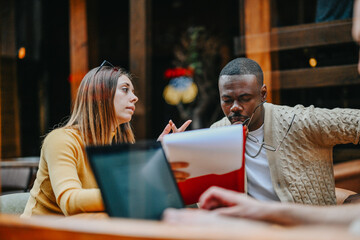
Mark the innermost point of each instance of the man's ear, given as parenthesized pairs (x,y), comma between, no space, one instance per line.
(263,92)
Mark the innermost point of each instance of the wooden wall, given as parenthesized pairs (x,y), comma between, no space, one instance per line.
(140,63)
(9,116)
(79,57)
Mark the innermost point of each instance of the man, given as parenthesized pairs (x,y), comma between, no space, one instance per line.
(240,205)
(288,156)
(288,149)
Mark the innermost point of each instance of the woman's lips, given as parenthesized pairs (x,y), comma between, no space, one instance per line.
(131,108)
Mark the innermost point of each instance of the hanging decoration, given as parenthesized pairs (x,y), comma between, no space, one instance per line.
(181,87)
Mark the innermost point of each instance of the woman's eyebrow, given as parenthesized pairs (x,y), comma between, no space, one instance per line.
(125,83)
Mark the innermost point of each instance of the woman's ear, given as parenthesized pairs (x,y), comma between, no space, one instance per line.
(263,92)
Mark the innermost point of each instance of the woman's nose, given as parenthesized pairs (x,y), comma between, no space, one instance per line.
(134,98)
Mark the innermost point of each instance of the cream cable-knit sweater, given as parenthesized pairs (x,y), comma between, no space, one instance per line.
(302,169)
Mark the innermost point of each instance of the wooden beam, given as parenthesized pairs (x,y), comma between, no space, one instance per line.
(1,34)
(9,115)
(316,77)
(79,59)
(240,41)
(140,63)
(258,21)
(299,36)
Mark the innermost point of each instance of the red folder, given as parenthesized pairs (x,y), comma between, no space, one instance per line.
(192,188)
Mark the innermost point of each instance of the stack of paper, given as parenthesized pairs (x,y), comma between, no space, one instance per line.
(215,158)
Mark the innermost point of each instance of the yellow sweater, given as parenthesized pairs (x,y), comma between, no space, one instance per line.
(65,184)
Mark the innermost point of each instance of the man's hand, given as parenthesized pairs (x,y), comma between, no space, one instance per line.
(356,26)
(172,127)
(180,176)
(246,129)
(356,22)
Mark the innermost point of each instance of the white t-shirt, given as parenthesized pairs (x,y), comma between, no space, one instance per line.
(259,183)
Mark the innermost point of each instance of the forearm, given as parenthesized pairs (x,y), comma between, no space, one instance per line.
(294,214)
(335,126)
(356,21)
(81,201)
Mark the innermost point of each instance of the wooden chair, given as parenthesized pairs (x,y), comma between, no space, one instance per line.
(347,175)
(18,174)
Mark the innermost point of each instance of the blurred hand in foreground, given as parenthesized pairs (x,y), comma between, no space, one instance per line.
(216,204)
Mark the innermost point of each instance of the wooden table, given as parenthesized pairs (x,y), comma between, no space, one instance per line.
(41,228)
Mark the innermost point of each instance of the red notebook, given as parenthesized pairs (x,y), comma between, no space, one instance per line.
(216,157)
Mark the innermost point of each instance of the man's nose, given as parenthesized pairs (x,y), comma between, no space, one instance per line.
(236,107)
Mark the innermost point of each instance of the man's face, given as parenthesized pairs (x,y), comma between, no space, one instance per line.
(239,96)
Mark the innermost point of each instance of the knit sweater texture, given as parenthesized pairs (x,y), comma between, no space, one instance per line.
(302,169)
(65,184)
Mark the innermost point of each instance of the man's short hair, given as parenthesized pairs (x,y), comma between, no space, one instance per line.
(243,66)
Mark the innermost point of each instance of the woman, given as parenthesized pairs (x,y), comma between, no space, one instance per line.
(104,106)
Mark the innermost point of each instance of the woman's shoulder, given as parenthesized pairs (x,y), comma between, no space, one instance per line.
(63,135)
(62,143)
(63,132)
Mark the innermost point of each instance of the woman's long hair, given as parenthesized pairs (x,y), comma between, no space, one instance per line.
(94,114)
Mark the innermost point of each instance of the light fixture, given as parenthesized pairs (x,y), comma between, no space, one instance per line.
(22,53)
(312,62)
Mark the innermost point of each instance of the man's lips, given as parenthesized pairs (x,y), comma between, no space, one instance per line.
(237,120)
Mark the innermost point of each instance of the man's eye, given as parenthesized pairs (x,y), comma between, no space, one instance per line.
(227,100)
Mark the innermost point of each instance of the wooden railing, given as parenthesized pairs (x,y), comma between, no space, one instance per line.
(297,37)
(316,77)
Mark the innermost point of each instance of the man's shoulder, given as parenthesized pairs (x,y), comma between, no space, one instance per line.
(281,109)
(221,123)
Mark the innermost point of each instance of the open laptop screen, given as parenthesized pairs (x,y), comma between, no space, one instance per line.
(135,180)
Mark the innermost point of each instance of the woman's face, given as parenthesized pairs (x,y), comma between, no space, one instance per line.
(124,100)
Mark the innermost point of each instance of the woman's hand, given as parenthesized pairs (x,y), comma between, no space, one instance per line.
(172,127)
(179,176)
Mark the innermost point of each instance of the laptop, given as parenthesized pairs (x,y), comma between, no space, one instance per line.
(135,180)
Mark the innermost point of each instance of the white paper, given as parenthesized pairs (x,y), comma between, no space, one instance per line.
(208,151)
